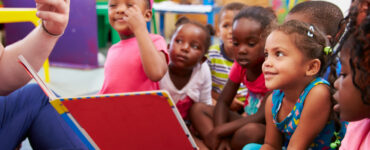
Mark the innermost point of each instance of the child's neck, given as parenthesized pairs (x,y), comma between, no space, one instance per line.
(229,53)
(179,76)
(293,92)
(125,37)
(253,73)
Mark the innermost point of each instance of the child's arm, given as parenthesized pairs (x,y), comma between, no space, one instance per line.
(273,138)
(223,103)
(314,117)
(229,128)
(35,47)
(154,61)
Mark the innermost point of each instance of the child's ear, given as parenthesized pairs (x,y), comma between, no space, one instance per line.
(148,15)
(313,67)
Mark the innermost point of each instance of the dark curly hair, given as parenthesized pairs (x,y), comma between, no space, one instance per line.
(359,44)
(208,29)
(356,35)
(265,16)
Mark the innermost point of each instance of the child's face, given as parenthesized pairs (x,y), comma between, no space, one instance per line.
(116,11)
(225,28)
(350,105)
(187,46)
(248,43)
(284,63)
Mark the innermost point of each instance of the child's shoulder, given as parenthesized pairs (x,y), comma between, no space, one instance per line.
(319,95)
(156,37)
(214,49)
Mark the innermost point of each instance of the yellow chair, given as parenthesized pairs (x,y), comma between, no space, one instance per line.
(13,15)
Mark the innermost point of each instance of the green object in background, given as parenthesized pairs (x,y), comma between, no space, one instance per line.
(157,1)
(103,23)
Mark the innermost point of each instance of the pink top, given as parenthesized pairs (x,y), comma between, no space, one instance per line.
(357,136)
(237,75)
(256,89)
(123,69)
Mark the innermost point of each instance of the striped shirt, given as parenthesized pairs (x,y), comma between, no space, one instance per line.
(220,66)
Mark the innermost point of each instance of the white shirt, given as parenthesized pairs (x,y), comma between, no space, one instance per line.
(198,88)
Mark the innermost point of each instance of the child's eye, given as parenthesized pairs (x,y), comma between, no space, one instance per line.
(130,5)
(266,54)
(279,54)
(178,41)
(251,44)
(225,26)
(112,5)
(235,43)
(195,46)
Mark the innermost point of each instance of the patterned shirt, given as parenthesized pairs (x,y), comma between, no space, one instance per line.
(290,123)
(220,66)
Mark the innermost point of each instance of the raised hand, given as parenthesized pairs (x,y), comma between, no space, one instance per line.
(135,19)
(54,15)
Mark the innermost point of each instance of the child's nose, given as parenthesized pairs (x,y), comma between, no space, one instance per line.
(185,47)
(121,9)
(267,62)
(242,50)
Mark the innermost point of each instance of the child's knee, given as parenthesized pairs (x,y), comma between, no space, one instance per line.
(251,133)
(197,108)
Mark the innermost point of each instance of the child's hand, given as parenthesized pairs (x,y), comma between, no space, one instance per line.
(224,145)
(236,105)
(54,14)
(135,19)
(211,140)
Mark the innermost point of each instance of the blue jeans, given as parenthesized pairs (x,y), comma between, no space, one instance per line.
(27,113)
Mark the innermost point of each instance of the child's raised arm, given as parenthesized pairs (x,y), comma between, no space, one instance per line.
(315,116)
(154,61)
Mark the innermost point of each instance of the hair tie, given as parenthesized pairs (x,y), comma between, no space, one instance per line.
(311,28)
(336,143)
(328,50)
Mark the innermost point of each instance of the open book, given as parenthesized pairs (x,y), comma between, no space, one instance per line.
(138,120)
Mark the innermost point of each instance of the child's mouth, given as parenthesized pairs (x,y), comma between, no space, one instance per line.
(243,62)
(181,58)
(268,75)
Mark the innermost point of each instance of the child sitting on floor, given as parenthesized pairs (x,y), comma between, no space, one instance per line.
(138,61)
(296,54)
(188,79)
(221,56)
(218,126)
(353,84)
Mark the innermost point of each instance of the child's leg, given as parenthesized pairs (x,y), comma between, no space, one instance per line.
(27,112)
(201,117)
(200,144)
(249,133)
